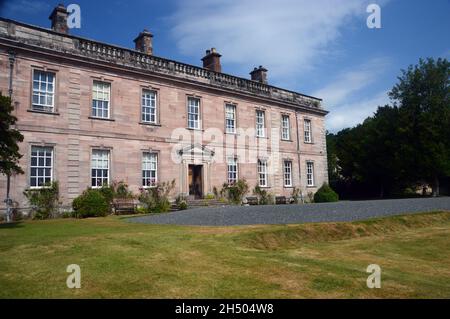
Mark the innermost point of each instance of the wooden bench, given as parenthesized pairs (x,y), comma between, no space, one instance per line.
(125,205)
(252,200)
(280,200)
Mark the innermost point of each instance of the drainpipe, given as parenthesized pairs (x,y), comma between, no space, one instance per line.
(298,155)
(8,201)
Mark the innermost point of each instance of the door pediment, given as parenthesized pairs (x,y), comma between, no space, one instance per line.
(197,152)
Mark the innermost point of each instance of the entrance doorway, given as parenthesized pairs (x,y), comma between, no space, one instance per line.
(195,180)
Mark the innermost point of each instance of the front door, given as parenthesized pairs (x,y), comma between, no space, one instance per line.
(195,181)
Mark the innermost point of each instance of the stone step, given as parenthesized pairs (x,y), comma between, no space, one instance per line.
(192,203)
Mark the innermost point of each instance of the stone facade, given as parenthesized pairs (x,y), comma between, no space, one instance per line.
(73,133)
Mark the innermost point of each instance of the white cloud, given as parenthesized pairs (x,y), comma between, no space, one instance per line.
(351,81)
(342,97)
(351,114)
(286,36)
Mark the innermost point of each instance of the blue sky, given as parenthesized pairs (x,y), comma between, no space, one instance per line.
(320,47)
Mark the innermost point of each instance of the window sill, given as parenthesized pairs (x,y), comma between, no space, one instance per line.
(231,133)
(43,112)
(311,143)
(101,119)
(195,129)
(311,186)
(283,140)
(264,186)
(263,137)
(36,188)
(150,124)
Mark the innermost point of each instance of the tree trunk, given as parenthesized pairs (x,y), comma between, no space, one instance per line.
(436,186)
(381,191)
(8,200)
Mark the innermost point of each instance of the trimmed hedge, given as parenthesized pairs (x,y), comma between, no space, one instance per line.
(92,203)
(325,194)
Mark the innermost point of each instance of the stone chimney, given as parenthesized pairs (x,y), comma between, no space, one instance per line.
(259,74)
(144,42)
(59,19)
(211,60)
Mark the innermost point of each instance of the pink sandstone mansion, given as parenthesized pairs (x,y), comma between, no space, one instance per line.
(92,113)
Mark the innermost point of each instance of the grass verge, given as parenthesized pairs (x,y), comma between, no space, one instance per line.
(326,260)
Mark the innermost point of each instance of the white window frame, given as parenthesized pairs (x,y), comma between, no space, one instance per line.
(101,99)
(149,106)
(149,159)
(230,118)
(194,113)
(307,127)
(98,155)
(262,173)
(40,168)
(232,170)
(287,173)
(310,174)
(260,123)
(285,127)
(43,91)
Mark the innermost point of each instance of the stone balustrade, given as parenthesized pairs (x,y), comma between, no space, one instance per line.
(69,44)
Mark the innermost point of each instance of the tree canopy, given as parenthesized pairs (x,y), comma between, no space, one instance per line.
(402,144)
(10,137)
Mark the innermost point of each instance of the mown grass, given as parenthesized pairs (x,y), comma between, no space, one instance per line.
(326,260)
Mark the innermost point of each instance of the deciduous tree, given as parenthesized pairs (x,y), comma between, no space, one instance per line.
(9,139)
(423,97)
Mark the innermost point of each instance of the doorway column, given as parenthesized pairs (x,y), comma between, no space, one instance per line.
(205,179)
(208,168)
(184,188)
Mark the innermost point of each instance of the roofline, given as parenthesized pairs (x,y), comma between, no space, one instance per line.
(132,50)
(166,77)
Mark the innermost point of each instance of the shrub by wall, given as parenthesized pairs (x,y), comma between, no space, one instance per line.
(156,199)
(325,194)
(235,192)
(92,203)
(264,197)
(44,201)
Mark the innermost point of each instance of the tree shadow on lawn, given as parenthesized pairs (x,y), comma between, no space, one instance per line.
(11,225)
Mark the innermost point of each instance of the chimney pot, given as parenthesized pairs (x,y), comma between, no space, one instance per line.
(144,42)
(211,60)
(59,19)
(259,74)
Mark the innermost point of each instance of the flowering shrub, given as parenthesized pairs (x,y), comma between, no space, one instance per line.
(235,192)
(44,201)
(264,197)
(156,199)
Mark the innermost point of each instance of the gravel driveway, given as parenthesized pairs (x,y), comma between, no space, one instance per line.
(295,214)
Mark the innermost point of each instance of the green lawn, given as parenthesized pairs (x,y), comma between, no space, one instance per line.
(123,260)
